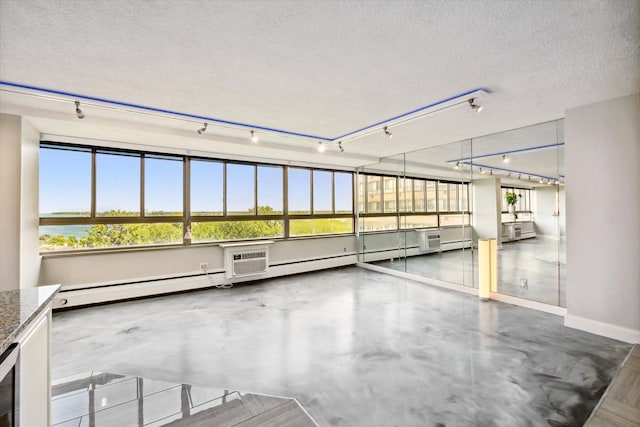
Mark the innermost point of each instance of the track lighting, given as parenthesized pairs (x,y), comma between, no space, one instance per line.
(203,129)
(321,147)
(541,181)
(482,171)
(474,106)
(457,166)
(519,175)
(505,159)
(79,113)
(509,176)
(386,132)
(491,172)
(340,146)
(254,137)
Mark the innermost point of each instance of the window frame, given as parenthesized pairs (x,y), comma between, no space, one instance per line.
(187,217)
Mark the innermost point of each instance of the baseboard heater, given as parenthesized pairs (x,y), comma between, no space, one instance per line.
(91,295)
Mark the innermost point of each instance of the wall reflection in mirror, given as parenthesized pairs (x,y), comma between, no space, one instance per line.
(423,212)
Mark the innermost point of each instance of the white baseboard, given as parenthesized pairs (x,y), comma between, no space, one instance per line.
(615,332)
(93,294)
(416,278)
(535,305)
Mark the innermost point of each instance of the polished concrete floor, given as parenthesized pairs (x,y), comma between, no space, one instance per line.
(540,262)
(355,348)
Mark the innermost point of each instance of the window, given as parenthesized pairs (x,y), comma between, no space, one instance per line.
(207,188)
(322,192)
(65,171)
(94,197)
(343,192)
(117,184)
(240,189)
(421,202)
(163,186)
(390,196)
(332,202)
(522,206)
(299,191)
(270,190)
(432,205)
(374,195)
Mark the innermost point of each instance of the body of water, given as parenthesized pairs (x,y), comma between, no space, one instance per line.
(78,231)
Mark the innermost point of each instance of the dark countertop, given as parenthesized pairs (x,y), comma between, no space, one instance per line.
(18,308)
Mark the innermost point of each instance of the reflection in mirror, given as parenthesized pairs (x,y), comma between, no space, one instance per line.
(423,212)
(527,164)
(427,229)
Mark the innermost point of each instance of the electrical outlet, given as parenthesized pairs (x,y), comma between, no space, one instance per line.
(203,266)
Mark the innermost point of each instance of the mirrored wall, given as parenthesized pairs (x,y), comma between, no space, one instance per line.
(423,212)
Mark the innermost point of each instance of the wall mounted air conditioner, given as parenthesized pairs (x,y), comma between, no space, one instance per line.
(429,240)
(245,259)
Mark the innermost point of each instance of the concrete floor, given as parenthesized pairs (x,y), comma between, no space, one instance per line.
(355,348)
(540,261)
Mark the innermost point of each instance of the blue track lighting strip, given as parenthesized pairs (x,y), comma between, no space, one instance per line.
(160,110)
(513,171)
(409,113)
(247,126)
(504,153)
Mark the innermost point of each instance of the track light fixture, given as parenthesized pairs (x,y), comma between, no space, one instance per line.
(519,175)
(202,129)
(386,132)
(505,158)
(474,106)
(491,172)
(457,166)
(340,146)
(254,137)
(79,113)
(482,171)
(321,147)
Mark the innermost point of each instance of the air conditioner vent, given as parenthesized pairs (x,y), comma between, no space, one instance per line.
(245,259)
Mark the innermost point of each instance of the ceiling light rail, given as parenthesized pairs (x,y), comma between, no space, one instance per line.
(451,102)
(112,105)
(509,173)
(469,97)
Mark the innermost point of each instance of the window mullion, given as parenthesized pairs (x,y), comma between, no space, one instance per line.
(142,212)
(92,214)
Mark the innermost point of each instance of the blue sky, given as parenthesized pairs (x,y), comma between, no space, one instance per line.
(65,185)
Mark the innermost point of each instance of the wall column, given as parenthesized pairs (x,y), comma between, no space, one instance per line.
(602,166)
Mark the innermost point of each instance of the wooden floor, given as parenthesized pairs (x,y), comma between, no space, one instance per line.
(620,405)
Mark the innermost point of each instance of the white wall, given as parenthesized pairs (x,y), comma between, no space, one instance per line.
(10,129)
(19,152)
(125,266)
(29,206)
(487,207)
(602,158)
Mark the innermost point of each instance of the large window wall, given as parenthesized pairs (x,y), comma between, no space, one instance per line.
(93,197)
(422,202)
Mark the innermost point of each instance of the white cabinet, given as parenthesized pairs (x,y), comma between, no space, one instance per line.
(35,390)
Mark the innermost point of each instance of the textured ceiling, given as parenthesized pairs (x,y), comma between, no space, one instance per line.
(319,67)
